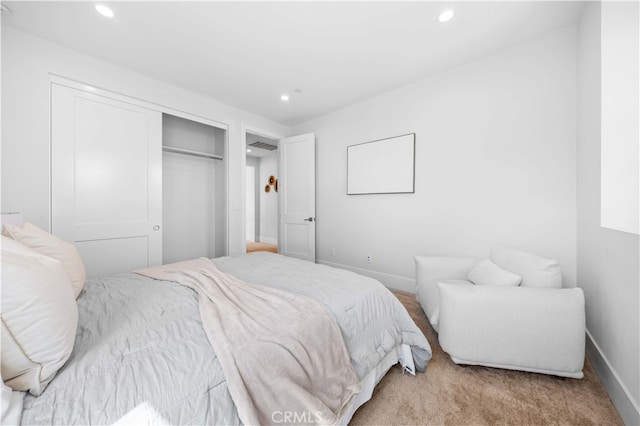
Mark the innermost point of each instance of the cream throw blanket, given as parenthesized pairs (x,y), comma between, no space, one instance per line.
(282,354)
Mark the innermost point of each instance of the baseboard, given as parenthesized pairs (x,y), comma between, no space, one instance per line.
(618,392)
(395,282)
(268,240)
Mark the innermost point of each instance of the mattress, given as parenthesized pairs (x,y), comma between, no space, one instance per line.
(141,340)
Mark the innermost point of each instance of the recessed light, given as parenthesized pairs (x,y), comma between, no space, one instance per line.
(446,15)
(104,11)
(285,98)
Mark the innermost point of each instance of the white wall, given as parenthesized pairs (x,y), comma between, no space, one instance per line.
(26,63)
(495,164)
(608,261)
(268,200)
(620,52)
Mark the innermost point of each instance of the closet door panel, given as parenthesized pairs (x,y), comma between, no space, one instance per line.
(106,168)
(111,166)
(125,254)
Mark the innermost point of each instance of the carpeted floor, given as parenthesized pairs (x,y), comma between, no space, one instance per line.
(471,395)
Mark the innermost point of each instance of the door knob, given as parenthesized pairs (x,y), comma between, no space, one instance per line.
(309,219)
(156,228)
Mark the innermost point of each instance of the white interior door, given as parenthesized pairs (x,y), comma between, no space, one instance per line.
(297,186)
(106,179)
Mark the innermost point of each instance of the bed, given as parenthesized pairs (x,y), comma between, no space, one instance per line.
(142,340)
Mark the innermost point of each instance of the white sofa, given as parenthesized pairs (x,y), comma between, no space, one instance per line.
(516,316)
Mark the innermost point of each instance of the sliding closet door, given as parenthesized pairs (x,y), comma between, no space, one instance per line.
(106,179)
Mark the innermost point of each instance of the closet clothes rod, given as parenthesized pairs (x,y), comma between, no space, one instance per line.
(190,152)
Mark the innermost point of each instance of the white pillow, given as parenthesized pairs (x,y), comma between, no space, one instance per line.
(45,243)
(39,318)
(535,271)
(486,272)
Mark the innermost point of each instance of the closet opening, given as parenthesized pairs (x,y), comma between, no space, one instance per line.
(194,186)
(261,177)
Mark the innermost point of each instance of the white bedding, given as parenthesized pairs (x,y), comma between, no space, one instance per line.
(279,351)
(141,340)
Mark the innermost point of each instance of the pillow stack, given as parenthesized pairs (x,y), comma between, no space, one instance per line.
(39,311)
(48,245)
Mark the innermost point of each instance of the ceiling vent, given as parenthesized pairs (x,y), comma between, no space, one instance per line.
(263,145)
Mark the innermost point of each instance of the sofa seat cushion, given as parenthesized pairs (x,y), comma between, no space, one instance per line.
(430,301)
(535,271)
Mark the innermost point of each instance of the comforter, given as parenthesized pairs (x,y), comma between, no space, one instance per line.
(141,340)
(279,351)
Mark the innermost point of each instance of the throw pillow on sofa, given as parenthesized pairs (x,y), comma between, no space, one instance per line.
(486,272)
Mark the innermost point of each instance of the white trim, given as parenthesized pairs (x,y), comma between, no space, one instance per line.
(50,156)
(123,97)
(395,282)
(618,392)
(244,129)
(226,162)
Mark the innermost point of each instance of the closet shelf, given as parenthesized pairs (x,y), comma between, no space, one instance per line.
(190,152)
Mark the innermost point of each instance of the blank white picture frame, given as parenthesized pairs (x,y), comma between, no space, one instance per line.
(385,166)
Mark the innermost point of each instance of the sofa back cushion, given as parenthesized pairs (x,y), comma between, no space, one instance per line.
(535,271)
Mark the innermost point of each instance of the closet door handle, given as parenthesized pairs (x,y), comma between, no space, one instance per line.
(156,228)
(309,219)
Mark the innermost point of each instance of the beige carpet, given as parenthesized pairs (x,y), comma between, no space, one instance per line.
(470,395)
(258,246)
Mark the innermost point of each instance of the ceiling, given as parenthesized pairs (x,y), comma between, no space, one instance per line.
(247,54)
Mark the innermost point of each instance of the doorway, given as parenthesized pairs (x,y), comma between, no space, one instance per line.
(193,190)
(261,177)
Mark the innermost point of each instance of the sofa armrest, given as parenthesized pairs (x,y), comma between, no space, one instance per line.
(429,270)
(433,268)
(532,329)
